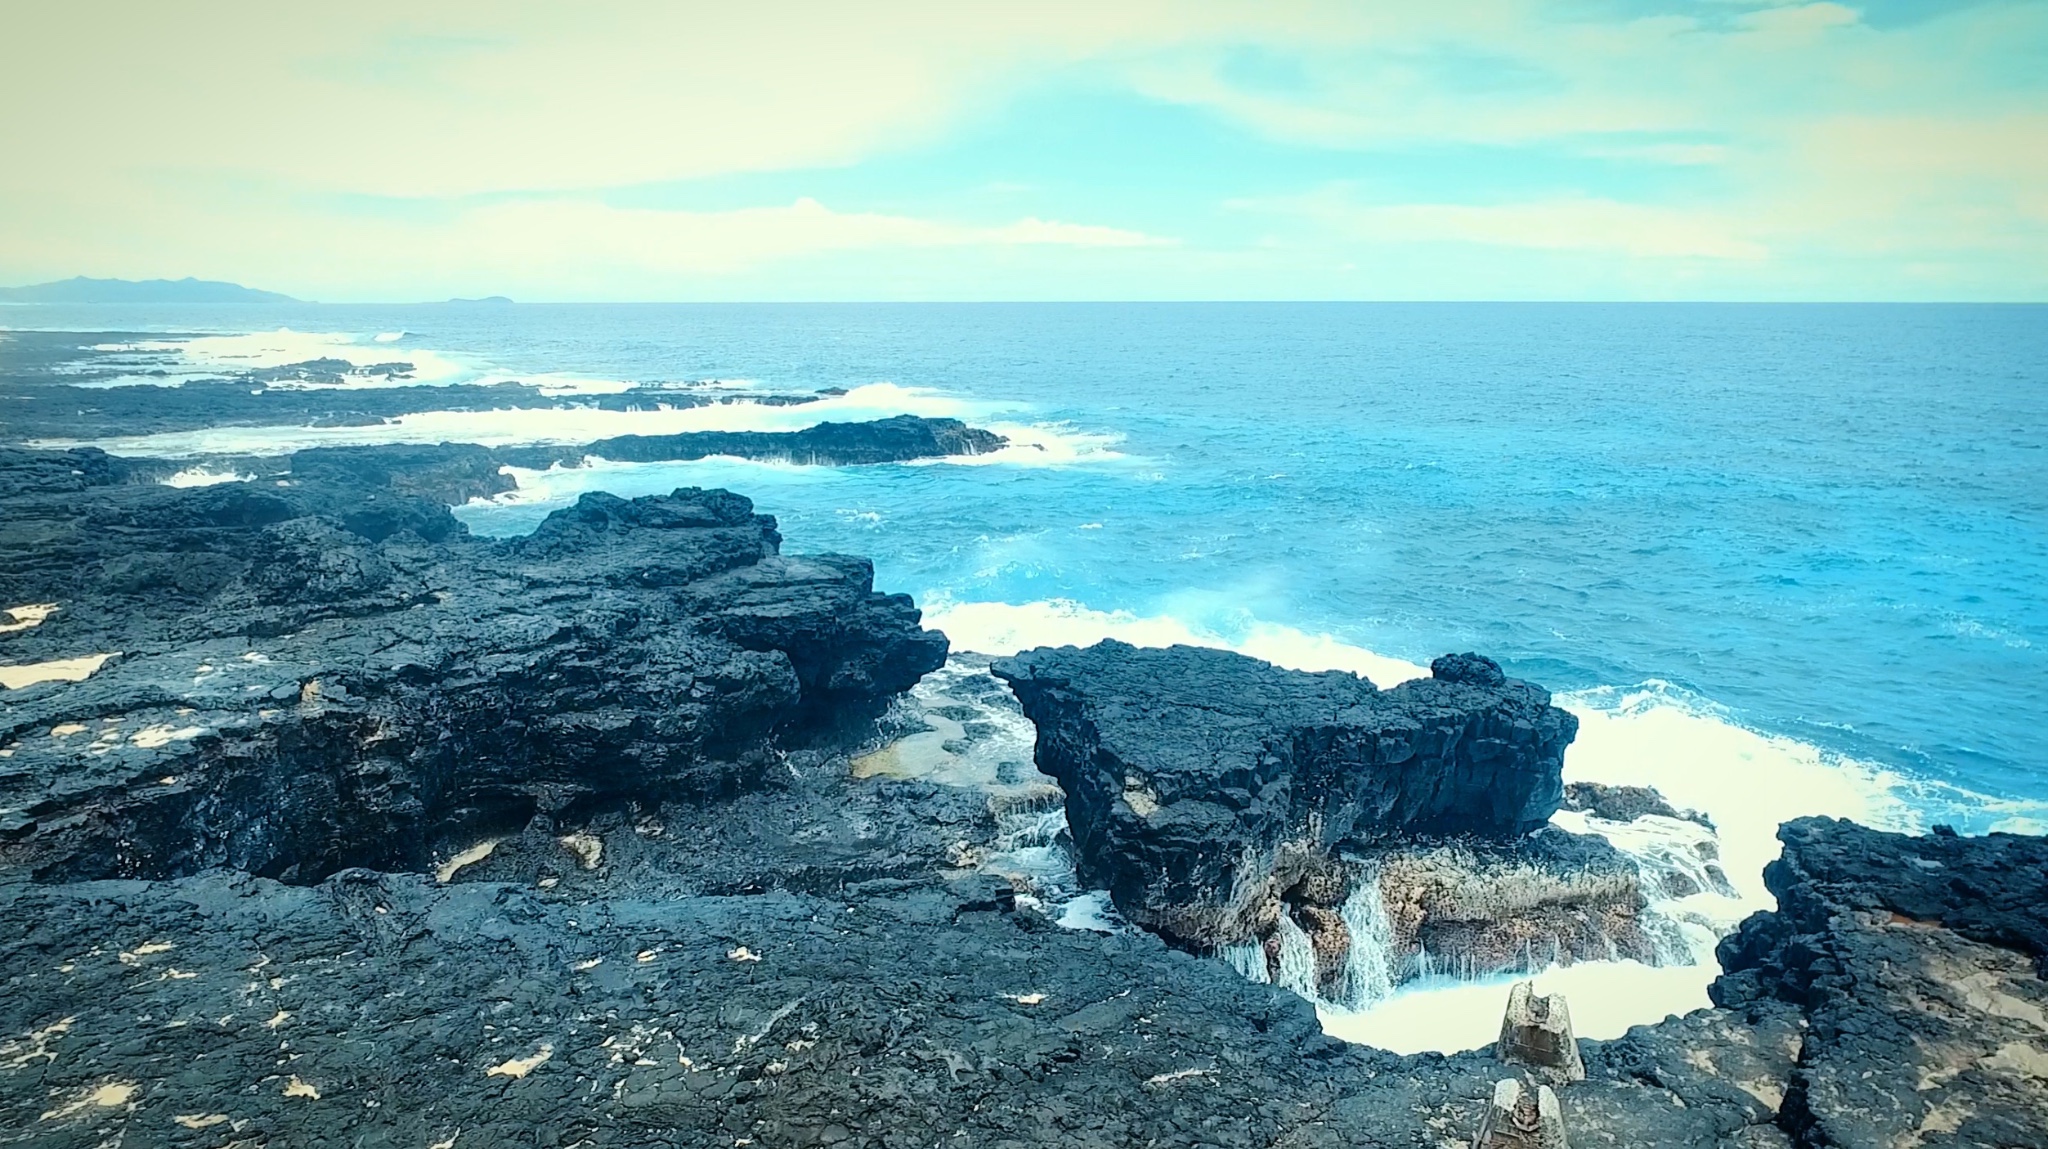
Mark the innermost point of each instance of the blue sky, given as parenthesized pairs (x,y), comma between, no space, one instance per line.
(1457,149)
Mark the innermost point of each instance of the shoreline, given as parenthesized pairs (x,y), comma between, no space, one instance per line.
(631,875)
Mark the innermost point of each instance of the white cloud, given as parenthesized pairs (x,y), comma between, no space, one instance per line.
(1797,22)
(231,138)
(1573,224)
(545,248)
(569,233)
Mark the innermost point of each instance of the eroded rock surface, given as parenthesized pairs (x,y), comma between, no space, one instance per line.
(1918,963)
(1484,909)
(1204,786)
(58,387)
(306,678)
(1624,803)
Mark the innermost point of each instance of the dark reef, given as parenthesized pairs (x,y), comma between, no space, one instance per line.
(56,387)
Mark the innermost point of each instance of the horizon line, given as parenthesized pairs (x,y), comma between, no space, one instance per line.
(488,303)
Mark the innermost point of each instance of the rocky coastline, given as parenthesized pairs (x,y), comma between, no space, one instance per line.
(368,832)
(1225,803)
(82,386)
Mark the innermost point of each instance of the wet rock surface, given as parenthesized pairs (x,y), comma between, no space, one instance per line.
(801,965)
(1203,786)
(892,440)
(1624,803)
(1475,910)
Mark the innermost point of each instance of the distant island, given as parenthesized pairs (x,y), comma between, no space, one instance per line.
(186,290)
(485,299)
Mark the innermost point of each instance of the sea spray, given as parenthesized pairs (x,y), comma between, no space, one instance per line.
(1368,975)
(1294,959)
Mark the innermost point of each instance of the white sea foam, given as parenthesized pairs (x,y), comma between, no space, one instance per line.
(561,484)
(1005,628)
(202,477)
(1607,998)
(543,425)
(1651,734)
(1041,445)
(175,360)
(1746,782)
(111,382)
(210,356)
(1092,912)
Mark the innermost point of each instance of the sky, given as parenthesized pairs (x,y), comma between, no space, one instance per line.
(1061,149)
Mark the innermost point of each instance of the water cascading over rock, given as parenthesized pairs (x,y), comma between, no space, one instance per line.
(1273,815)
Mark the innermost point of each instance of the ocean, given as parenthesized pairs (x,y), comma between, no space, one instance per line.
(1780,559)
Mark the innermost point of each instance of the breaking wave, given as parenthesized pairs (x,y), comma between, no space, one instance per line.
(1648,734)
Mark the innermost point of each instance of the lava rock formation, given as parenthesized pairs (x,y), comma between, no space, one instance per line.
(302,679)
(1919,964)
(1205,789)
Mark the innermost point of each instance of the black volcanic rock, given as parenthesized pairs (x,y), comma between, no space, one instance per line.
(310,677)
(77,404)
(664,910)
(893,440)
(1625,803)
(25,472)
(1919,964)
(451,473)
(1203,785)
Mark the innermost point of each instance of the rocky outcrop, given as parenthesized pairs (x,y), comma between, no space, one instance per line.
(310,677)
(797,966)
(1205,789)
(1918,963)
(1625,803)
(57,385)
(1536,1032)
(894,440)
(1521,1117)
(1475,910)
(454,473)
(451,473)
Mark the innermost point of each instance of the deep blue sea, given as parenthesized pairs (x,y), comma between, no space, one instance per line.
(1787,542)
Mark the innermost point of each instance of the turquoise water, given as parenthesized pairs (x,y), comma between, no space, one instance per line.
(1824,524)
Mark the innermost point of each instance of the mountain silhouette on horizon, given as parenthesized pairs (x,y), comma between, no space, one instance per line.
(187,290)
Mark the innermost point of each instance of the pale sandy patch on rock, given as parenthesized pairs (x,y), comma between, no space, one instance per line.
(2018,1059)
(521,1066)
(588,848)
(109,1095)
(34,1045)
(447,870)
(58,670)
(27,616)
(135,956)
(151,737)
